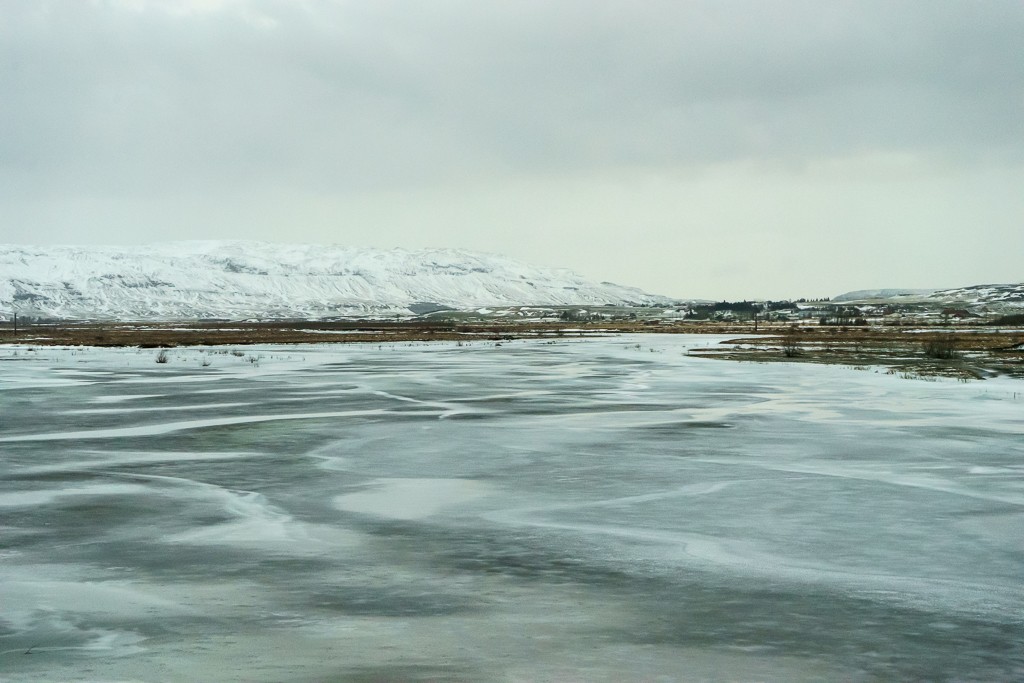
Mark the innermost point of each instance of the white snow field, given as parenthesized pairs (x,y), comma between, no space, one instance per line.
(589,510)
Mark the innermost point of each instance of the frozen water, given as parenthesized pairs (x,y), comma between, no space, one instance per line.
(410,498)
(605,509)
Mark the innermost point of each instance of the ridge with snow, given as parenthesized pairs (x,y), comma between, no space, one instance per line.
(1011,296)
(865,294)
(241,279)
(995,297)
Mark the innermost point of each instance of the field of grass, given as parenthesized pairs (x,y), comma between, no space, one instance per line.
(920,352)
(218,333)
(912,351)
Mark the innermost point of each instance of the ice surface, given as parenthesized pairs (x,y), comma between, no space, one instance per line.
(577,510)
(410,498)
(177,426)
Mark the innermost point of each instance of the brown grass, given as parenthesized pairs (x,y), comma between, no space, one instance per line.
(904,350)
(164,335)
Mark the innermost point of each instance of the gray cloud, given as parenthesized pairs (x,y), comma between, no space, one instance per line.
(141,111)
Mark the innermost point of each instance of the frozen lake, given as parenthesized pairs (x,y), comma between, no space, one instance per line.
(593,510)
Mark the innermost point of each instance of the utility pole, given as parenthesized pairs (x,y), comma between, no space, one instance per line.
(15,322)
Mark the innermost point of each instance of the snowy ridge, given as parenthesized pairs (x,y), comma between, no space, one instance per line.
(241,279)
(996,297)
(862,294)
(1007,295)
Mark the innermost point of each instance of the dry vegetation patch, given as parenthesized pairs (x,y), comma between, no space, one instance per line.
(910,352)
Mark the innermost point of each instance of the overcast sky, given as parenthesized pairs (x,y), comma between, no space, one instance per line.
(716,149)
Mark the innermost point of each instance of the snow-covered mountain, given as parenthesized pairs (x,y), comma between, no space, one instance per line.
(1006,296)
(240,279)
(866,294)
(995,297)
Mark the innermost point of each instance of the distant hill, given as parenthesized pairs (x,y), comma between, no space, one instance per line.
(865,294)
(240,279)
(1008,295)
(997,297)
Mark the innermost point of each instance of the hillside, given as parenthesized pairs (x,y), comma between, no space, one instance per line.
(1003,297)
(869,294)
(991,295)
(201,280)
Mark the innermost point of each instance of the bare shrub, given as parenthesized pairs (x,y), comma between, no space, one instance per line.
(790,345)
(941,348)
(162,357)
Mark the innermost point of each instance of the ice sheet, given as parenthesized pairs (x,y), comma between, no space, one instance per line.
(603,509)
(410,498)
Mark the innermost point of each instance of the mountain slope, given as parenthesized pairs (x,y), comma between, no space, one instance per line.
(865,294)
(191,280)
(1009,296)
(995,297)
